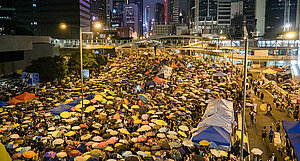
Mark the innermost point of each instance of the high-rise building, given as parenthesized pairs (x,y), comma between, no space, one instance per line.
(224,12)
(131,19)
(98,11)
(117,15)
(7,12)
(43,17)
(280,16)
(173,12)
(147,21)
(159,14)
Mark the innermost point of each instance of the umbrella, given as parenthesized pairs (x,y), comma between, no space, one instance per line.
(96,153)
(56,134)
(25,149)
(14,136)
(109,148)
(61,154)
(183,128)
(29,154)
(49,154)
(85,137)
(204,143)
(163,129)
(70,133)
(102,144)
(215,152)
(89,109)
(160,122)
(256,151)
(75,153)
(65,115)
(161,135)
(135,107)
(145,117)
(141,153)
(143,98)
(126,153)
(175,144)
(97,138)
(187,143)
(76,127)
(58,141)
(182,134)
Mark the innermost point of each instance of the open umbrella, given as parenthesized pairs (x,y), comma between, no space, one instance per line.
(65,115)
(29,154)
(49,154)
(256,151)
(126,153)
(204,142)
(58,141)
(183,128)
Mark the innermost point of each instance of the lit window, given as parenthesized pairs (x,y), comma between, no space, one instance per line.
(33,5)
(35,23)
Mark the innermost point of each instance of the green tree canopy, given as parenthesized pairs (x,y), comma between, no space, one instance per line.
(49,68)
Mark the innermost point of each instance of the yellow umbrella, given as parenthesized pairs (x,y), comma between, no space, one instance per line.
(103,100)
(56,134)
(16,125)
(223,153)
(124,131)
(109,148)
(109,102)
(204,143)
(98,97)
(86,102)
(125,106)
(56,104)
(118,144)
(135,107)
(137,121)
(114,132)
(1,109)
(70,133)
(160,122)
(65,115)
(102,94)
(110,97)
(238,133)
(89,109)
(151,111)
(78,107)
(182,134)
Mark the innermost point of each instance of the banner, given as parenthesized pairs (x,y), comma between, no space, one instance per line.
(167,71)
(31,78)
(86,73)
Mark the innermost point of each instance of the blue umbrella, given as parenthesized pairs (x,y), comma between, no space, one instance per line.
(143,98)
(2,103)
(25,149)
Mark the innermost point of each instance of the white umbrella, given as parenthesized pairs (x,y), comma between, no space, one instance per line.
(141,153)
(58,141)
(187,143)
(75,128)
(97,138)
(183,128)
(256,151)
(14,136)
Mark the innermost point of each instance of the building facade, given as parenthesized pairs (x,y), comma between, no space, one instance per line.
(159,14)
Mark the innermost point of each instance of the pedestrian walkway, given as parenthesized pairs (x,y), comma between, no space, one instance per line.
(254,131)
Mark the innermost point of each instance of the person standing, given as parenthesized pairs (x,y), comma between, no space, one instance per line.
(264,133)
(262,96)
(271,133)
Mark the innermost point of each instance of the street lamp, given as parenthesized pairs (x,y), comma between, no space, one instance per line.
(64,26)
(290,35)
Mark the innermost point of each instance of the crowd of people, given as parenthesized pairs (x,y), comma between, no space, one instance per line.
(129,112)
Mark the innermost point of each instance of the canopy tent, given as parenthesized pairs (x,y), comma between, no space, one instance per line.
(4,154)
(212,134)
(269,71)
(60,108)
(217,120)
(167,71)
(221,107)
(219,74)
(2,103)
(21,98)
(292,128)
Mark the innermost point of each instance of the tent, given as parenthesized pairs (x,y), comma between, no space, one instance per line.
(167,71)
(221,107)
(292,128)
(269,71)
(60,108)
(4,154)
(2,103)
(219,74)
(217,120)
(21,98)
(212,134)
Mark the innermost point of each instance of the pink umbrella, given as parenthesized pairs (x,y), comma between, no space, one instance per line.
(110,141)
(102,144)
(73,109)
(145,117)
(93,101)
(90,143)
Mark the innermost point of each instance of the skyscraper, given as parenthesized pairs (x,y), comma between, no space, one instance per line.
(43,17)
(173,12)
(280,16)
(98,11)
(147,21)
(7,12)
(159,14)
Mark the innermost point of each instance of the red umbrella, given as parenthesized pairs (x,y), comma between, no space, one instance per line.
(102,144)
(83,125)
(110,141)
(75,153)
(141,138)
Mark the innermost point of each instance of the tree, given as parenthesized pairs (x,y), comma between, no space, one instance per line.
(49,68)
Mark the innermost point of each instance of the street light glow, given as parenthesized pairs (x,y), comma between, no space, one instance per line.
(290,35)
(63,26)
(97,25)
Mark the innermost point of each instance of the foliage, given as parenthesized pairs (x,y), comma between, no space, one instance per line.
(49,68)
(90,61)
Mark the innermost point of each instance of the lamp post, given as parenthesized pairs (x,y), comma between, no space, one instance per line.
(65,26)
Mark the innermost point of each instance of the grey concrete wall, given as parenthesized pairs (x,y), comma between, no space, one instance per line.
(33,47)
